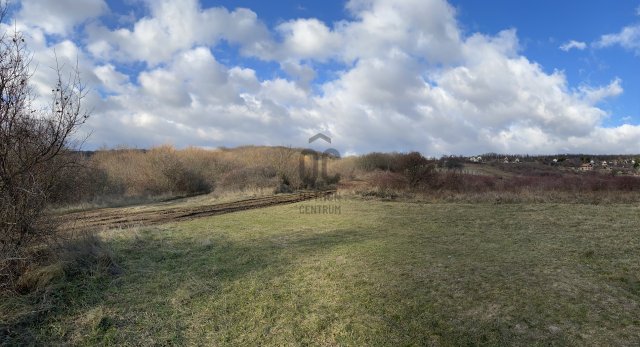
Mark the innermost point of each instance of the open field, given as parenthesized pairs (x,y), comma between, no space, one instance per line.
(378,273)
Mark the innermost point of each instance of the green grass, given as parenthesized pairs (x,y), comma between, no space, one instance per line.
(380,273)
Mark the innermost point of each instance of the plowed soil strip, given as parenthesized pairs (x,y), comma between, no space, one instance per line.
(113,218)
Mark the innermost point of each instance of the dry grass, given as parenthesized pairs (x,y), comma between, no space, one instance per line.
(380,273)
(42,288)
(66,257)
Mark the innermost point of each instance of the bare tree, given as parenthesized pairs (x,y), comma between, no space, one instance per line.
(34,147)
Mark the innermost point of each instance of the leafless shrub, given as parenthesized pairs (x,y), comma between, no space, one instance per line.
(34,144)
(249,178)
(179,177)
(388,181)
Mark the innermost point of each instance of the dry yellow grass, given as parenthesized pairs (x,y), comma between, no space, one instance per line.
(379,273)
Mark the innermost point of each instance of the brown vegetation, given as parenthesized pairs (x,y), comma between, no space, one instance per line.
(131,175)
(34,151)
(392,175)
(109,177)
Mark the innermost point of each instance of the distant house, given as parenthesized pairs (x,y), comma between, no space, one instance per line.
(477,159)
(605,164)
(517,160)
(586,167)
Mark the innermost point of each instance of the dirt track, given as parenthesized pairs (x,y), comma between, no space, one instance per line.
(112,218)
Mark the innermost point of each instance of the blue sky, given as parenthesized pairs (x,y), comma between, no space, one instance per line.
(437,76)
(544,25)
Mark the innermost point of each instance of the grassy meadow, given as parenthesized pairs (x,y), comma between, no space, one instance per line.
(379,273)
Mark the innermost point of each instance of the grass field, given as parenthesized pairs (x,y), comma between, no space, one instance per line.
(378,273)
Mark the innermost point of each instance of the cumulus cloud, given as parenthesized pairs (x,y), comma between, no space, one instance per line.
(422,28)
(195,100)
(308,38)
(60,16)
(111,80)
(175,26)
(495,101)
(628,38)
(573,44)
(402,76)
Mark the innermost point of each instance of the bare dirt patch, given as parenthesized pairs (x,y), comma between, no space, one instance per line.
(112,218)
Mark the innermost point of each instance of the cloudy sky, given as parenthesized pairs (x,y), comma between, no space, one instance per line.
(457,77)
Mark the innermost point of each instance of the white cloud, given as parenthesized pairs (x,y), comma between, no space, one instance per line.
(302,74)
(308,38)
(495,101)
(628,38)
(423,28)
(195,100)
(573,44)
(60,16)
(406,79)
(595,95)
(175,26)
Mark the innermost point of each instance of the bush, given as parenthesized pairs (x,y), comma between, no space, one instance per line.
(34,148)
(346,168)
(80,183)
(180,178)
(283,189)
(389,181)
(451,163)
(378,161)
(249,178)
(422,176)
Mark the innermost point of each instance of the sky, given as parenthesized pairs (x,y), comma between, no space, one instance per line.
(440,77)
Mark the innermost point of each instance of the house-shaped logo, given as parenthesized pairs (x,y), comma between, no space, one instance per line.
(319,136)
(324,156)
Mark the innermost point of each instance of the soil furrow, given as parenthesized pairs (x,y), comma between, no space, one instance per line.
(126,217)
